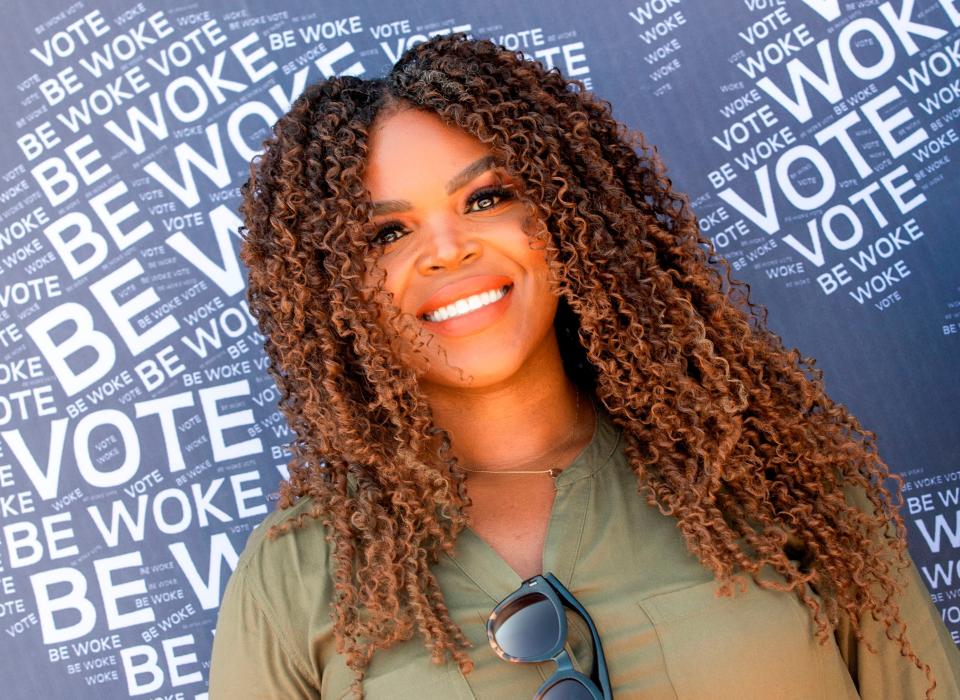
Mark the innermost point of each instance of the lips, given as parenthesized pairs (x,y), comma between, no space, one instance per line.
(461,289)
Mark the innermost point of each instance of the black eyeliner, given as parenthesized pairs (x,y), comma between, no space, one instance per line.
(504,192)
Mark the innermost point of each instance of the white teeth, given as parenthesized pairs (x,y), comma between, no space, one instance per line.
(465,306)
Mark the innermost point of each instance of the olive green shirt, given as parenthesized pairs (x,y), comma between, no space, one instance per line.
(665,633)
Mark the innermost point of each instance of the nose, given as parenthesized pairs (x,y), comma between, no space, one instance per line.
(448,244)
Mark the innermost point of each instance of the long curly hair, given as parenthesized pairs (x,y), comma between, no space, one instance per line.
(731,433)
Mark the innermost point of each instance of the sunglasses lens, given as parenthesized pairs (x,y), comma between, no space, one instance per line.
(528,628)
(567,689)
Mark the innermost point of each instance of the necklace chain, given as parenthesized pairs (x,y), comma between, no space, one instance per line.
(553,471)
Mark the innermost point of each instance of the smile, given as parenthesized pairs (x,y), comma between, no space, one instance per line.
(467,305)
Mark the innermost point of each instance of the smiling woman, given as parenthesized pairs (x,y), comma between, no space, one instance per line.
(456,254)
(505,351)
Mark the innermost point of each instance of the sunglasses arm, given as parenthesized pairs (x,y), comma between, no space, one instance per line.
(568,598)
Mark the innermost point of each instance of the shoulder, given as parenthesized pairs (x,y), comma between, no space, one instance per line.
(275,605)
(258,542)
(290,569)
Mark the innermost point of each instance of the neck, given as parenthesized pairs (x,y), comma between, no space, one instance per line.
(527,422)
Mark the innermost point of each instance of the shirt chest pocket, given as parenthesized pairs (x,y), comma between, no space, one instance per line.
(757,644)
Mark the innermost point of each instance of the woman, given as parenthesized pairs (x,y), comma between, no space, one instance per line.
(503,352)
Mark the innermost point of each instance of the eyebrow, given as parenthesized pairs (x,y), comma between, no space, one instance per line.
(394,206)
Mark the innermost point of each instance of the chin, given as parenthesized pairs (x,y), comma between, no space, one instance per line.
(475,374)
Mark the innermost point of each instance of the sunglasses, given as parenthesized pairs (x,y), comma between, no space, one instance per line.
(529,626)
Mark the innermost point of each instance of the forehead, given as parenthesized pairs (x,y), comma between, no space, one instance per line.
(411,147)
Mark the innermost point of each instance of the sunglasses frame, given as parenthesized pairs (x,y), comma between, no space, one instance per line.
(548,586)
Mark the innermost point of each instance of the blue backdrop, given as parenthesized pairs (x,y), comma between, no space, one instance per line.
(139,441)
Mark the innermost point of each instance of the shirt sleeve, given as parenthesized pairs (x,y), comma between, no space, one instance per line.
(250,659)
(887,675)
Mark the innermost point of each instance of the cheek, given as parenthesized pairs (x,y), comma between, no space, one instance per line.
(537,263)
(372,278)
(392,275)
(381,272)
(532,249)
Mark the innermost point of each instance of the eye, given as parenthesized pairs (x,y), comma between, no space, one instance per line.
(389,233)
(487,198)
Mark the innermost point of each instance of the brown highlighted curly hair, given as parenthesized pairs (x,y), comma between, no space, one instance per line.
(731,432)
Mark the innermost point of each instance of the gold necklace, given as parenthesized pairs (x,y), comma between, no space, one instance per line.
(553,471)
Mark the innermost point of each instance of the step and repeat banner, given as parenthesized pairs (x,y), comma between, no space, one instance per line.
(139,441)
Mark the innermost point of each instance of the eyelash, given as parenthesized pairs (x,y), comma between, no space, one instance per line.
(499,192)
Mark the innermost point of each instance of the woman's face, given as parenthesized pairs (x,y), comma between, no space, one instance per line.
(454,251)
